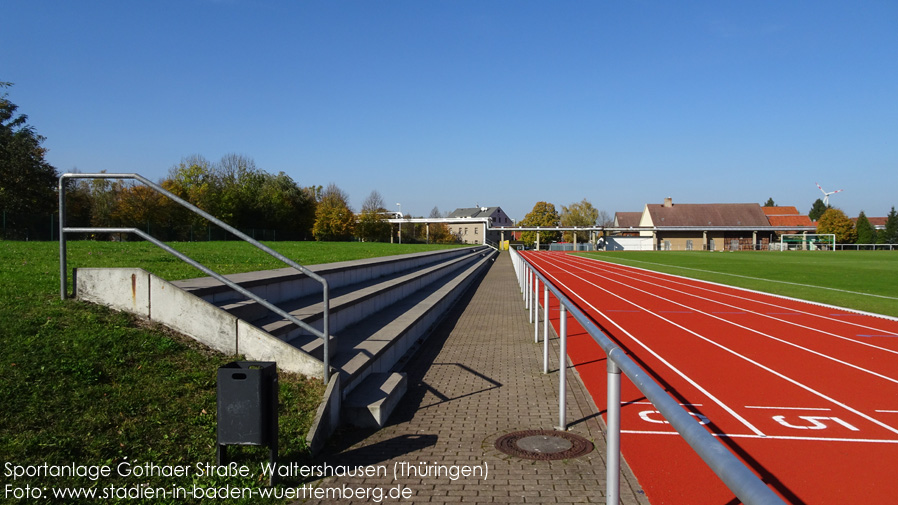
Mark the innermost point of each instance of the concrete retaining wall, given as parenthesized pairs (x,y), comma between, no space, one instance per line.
(141,293)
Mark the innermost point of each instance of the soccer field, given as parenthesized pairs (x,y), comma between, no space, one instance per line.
(862,280)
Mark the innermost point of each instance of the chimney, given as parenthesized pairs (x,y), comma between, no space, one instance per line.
(668,202)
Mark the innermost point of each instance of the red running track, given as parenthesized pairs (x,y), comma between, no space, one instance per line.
(806,395)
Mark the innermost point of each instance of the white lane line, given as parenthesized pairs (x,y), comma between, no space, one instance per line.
(784,408)
(747,328)
(772,437)
(623,404)
(793,323)
(759,279)
(716,344)
(657,356)
(699,284)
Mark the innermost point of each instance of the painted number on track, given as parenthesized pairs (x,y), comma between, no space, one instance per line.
(812,422)
(653,416)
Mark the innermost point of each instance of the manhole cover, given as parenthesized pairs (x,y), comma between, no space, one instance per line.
(544,445)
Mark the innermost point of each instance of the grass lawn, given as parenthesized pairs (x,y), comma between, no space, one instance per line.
(81,384)
(863,280)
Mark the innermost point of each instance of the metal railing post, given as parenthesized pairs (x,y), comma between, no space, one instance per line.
(562,370)
(545,328)
(612,437)
(536,311)
(325,330)
(530,277)
(62,249)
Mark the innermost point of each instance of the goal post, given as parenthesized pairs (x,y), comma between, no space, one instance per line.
(808,242)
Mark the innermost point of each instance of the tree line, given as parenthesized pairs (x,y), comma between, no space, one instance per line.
(833,220)
(579,214)
(236,191)
(847,231)
(233,189)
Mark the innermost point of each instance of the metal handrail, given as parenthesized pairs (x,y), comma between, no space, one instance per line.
(750,489)
(63,275)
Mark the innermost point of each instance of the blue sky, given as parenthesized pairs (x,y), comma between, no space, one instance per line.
(461,103)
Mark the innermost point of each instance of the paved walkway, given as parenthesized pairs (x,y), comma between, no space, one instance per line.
(477,377)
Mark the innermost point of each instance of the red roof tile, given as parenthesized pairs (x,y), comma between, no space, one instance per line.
(781,211)
(790,221)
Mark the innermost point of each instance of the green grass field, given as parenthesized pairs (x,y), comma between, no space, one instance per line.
(81,384)
(862,280)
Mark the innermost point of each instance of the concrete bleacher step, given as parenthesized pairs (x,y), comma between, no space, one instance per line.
(379,342)
(371,403)
(362,304)
(350,301)
(370,350)
(283,284)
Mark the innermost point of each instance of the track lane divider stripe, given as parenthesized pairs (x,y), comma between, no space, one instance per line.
(666,363)
(699,284)
(746,311)
(731,351)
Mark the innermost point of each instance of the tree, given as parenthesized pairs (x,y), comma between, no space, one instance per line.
(543,214)
(194,180)
(866,233)
(288,206)
(835,221)
(240,184)
(890,234)
(27,180)
(334,220)
(140,206)
(104,195)
(817,210)
(242,195)
(372,225)
(439,232)
(578,214)
(769,203)
(78,203)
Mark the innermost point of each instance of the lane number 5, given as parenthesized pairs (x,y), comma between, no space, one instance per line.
(816,423)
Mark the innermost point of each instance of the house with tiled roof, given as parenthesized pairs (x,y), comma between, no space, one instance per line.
(468,224)
(627,220)
(708,226)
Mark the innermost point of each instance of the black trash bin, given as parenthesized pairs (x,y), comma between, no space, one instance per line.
(247,406)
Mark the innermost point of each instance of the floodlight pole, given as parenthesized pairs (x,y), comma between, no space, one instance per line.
(400,222)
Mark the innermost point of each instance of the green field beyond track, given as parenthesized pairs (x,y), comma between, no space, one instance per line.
(862,280)
(83,385)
